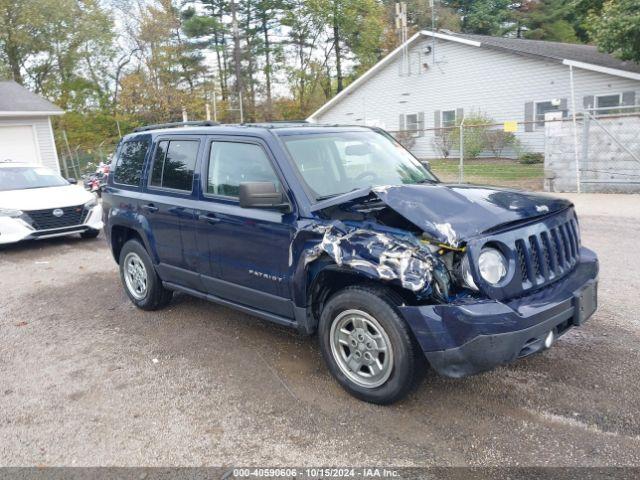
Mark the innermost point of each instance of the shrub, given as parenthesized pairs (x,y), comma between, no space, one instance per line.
(445,141)
(498,140)
(406,139)
(530,158)
(476,126)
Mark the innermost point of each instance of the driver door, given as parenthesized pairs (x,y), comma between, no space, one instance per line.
(248,248)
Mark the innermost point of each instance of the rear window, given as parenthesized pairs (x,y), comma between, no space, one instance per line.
(174,163)
(130,161)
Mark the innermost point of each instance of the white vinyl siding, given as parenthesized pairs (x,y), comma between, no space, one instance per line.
(475,79)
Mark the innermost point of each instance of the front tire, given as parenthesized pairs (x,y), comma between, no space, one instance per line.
(367,345)
(139,278)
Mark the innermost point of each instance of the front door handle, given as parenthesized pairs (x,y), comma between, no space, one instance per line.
(209,217)
(150,207)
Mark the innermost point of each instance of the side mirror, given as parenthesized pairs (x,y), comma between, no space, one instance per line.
(261,195)
(72,181)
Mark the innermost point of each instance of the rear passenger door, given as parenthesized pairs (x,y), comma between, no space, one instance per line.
(169,207)
(247,249)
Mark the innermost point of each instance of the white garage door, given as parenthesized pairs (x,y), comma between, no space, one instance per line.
(18,143)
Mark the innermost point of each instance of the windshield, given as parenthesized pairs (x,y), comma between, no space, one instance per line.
(339,162)
(20,178)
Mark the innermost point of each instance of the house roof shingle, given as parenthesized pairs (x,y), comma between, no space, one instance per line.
(552,50)
(15,98)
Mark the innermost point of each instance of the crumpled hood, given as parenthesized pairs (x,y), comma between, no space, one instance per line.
(43,198)
(454,213)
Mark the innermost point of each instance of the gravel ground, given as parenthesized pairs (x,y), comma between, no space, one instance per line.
(86,379)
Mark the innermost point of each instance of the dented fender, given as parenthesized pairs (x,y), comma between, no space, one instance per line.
(369,250)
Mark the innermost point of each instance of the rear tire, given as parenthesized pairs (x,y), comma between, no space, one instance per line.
(139,278)
(367,345)
(91,233)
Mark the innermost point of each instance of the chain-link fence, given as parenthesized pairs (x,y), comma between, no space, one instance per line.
(597,150)
(486,153)
(610,150)
(81,161)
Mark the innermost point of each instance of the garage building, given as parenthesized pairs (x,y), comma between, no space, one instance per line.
(25,126)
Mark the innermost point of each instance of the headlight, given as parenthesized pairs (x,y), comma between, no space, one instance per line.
(465,274)
(10,212)
(90,204)
(492,265)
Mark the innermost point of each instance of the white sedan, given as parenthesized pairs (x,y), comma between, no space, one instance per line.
(36,202)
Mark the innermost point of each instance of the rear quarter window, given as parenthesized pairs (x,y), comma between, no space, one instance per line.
(174,164)
(128,169)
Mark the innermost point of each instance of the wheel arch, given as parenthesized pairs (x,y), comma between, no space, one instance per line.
(330,278)
(121,234)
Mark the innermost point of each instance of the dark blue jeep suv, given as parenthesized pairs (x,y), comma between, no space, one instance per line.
(341,231)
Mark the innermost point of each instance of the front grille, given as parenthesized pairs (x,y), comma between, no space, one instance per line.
(46,220)
(548,255)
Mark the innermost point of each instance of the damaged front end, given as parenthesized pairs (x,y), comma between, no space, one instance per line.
(367,236)
(391,256)
(415,236)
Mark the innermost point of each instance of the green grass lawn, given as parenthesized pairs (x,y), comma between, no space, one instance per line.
(502,172)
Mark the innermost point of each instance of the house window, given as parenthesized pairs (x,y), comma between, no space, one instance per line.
(608,103)
(412,124)
(448,118)
(541,109)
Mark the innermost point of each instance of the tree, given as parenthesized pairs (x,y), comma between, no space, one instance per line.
(211,32)
(20,34)
(488,17)
(169,71)
(617,29)
(550,20)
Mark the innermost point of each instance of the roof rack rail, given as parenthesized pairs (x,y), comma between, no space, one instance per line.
(195,123)
(275,123)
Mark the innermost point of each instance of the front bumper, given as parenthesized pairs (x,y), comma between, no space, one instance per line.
(14,230)
(469,337)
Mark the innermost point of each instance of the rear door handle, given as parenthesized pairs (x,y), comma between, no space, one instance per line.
(209,217)
(150,207)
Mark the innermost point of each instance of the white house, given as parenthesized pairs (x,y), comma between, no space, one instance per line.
(25,126)
(437,77)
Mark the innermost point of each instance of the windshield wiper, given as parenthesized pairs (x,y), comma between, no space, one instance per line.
(327,197)
(426,180)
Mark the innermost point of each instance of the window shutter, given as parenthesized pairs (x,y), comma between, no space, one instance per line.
(436,122)
(564,107)
(628,98)
(589,101)
(421,124)
(459,114)
(401,123)
(528,117)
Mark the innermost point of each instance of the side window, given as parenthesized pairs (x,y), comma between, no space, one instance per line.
(174,163)
(231,163)
(129,163)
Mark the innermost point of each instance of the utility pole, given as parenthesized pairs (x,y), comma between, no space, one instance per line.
(401,27)
(215,108)
(236,53)
(433,29)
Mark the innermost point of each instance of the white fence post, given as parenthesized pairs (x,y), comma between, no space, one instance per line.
(461,166)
